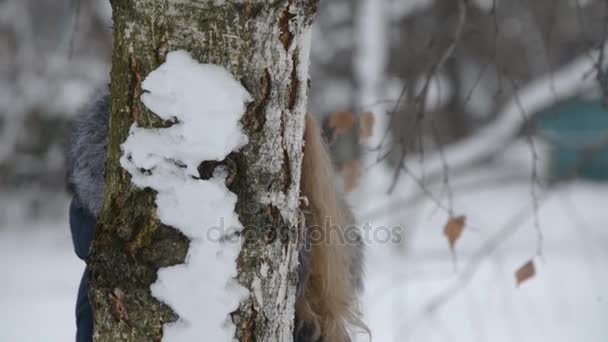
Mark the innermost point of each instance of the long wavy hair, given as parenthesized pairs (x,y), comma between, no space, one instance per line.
(329,303)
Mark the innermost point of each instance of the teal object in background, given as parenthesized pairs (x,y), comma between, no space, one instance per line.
(578,133)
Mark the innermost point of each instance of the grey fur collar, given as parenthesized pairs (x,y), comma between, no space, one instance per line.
(86,153)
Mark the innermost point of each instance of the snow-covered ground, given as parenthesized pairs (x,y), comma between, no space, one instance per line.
(425,296)
(567,300)
(39,279)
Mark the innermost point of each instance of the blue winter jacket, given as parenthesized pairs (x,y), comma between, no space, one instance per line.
(82,225)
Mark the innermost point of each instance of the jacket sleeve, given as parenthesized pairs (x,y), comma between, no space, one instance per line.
(82,225)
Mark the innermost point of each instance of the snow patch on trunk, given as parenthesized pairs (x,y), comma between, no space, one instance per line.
(206,104)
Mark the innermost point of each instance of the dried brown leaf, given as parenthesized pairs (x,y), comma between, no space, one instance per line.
(366,125)
(351,171)
(525,272)
(342,122)
(453,229)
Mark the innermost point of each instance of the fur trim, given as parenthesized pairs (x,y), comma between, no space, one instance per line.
(86,153)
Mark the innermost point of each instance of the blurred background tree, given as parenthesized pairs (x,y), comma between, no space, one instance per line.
(465,58)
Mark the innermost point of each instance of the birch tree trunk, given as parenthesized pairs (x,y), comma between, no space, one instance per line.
(265,45)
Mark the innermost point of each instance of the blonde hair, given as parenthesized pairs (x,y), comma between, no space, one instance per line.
(329,301)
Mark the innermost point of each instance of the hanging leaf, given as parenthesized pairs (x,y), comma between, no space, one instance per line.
(342,122)
(351,172)
(366,125)
(453,229)
(525,272)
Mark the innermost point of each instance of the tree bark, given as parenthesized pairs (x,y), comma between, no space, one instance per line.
(265,45)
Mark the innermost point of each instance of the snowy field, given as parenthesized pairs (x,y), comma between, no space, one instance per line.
(414,292)
(40,277)
(425,296)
